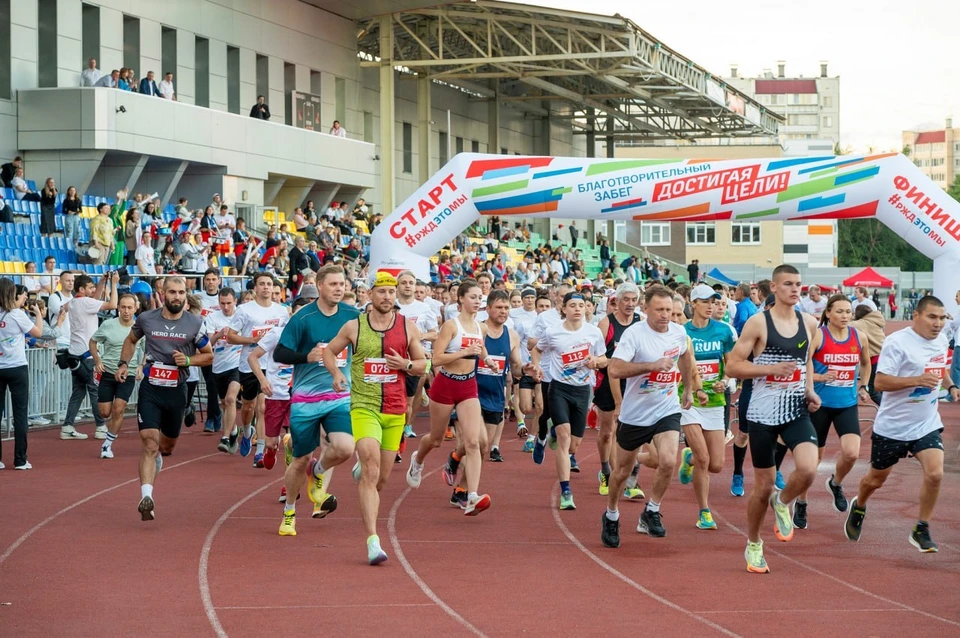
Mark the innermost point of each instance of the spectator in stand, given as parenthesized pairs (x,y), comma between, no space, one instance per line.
(13,364)
(300,221)
(20,189)
(49,276)
(260,110)
(273,251)
(131,236)
(144,257)
(360,209)
(111,81)
(169,259)
(132,80)
(101,235)
(9,170)
(6,213)
(283,234)
(443,268)
(149,87)
(299,262)
(182,211)
(72,205)
(315,256)
(122,80)
(309,209)
(282,261)
(336,130)
(90,75)
(29,281)
(240,238)
(574,234)
(604,254)
(693,272)
(166,87)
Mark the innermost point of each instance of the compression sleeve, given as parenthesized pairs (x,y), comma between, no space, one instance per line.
(287,356)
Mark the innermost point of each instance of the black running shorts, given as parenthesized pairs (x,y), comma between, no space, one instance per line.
(110,389)
(527,383)
(222,381)
(631,437)
(411,385)
(763,439)
(161,409)
(249,386)
(569,404)
(746,391)
(844,420)
(490,417)
(885,453)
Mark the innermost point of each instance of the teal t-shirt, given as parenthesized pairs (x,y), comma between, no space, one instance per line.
(110,337)
(710,343)
(307,328)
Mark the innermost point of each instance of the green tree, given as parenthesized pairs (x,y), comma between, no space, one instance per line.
(868,242)
(954,190)
(906,150)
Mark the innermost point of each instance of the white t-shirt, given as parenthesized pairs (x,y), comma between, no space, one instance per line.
(482,313)
(867,301)
(145,254)
(519,315)
(13,325)
(565,353)
(209,303)
(544,321)
(30,282)
(414,310)
(226,356)
(54,302)
(523,329)
(435,306)
(911,414)
(812,307)
(15,184)
(82,313)
(450,312)
(166,89)
(427,322)
(279,375)
(252,319)
(653,396)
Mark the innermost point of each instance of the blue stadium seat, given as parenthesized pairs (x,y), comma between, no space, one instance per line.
(32,185)
(7,193)
(58,222)
(45,243)
(15,205)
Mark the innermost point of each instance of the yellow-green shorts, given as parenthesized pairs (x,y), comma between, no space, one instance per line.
(387,429)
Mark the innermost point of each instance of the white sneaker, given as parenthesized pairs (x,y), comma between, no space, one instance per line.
(71,433)
(106,453)
(101,433)
(25,466)
(2,466)
(414,474)
(38,420)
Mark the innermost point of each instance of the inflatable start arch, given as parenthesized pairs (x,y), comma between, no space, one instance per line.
(886,186)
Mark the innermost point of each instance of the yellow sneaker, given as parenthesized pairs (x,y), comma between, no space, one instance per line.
(289,525)
(604,487)
(327,506)
(287,450)
(315,486)
(633,493)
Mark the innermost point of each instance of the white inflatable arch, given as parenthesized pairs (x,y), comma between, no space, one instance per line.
(887,186)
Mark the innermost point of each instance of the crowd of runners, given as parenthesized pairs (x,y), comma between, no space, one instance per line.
(339,375)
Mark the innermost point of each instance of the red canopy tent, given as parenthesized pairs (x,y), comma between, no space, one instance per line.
(823,288)
(868,278)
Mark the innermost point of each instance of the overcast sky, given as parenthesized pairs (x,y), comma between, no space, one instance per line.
(898,61)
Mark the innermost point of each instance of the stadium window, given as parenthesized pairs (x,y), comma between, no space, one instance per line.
(745,233)
(340,94)
(47,34)
(201,66)
(407,147)
(233,80)
(131,44)
(474,146)
(704,233)
(459,145)
(90,45)
(367,127)
(655,233)
(263,77)
(444,156)
(168,52)
(5,52)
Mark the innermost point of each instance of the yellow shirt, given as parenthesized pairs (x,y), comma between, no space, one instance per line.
(101,230)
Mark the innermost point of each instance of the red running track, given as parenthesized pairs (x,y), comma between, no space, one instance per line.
(75,558)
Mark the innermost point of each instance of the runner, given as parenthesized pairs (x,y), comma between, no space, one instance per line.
(841,360)
(385,348)
(210,301)
(531,395)
(315,403)
(456,352)
(653,356)
(112,396)
(607,397)
(225,371)
(523,317)
(250,323)
(174,340)
(783,398)
(544,322)
(412,309)
(703,424)
(574,350)
(912,368)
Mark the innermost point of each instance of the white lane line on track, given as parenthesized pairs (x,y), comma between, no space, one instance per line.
(202,570)
(30,532)
(629,581)
(800,611)
(840,581)
(326,606)
(412,573)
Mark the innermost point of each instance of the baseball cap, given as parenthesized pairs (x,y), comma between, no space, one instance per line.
(528,292)
(384,279)
(586,284)
(703,291)
(771,300)
(308,291)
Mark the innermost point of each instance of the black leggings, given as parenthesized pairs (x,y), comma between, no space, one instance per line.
(542,423)
(18,381)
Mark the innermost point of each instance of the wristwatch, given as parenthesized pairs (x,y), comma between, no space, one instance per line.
(409,365)
(123,363)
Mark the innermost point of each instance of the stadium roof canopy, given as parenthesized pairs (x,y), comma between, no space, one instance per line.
(586,65)
(359,9)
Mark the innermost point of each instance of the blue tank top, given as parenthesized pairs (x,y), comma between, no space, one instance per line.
(843,359)
(491,384)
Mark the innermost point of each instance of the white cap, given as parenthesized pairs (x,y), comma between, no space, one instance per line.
(703,291)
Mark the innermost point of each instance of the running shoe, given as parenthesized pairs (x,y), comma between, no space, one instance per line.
(604,485)
(448,435)
(686,466)
(145,508)
(574,466)
(287,450)
(476,505)
(375,554)
(327,506)
(224,445)
(315,487)
(356,472)
(552,439)
(2,466)
(234,443)
(780,482)
(782,519)
(414,473)
(106,452)
(633,493)
(920,538)
(245,443)
(258,460)
(189,416)
(209,426)
(218,423)
(459,498)
(521,430)
(728,437)
(736,486)
(269,458)
(706,520)
(450,469)
(528,445)
(839,500)
(800,515)
(755,561)
(289,525)
(399,459)
(539,450)
(651,523)
(495,455)
(100,432)
(70,433)
(283,494)
(26,466)
(424,400)
(566,501)
(408,432)
(159,462)
(854,525)
(610,531)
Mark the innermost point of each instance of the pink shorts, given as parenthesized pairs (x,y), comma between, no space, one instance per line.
(276,416)
(452,389)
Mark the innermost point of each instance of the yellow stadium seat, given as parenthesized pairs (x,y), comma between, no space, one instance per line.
(281,218)
(7,267)
(269,216)
(361,226)
(226,270)
(19,267)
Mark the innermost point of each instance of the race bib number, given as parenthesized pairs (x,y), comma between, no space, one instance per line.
(846,376)
(259,331)
(164,376)
(501,366)
(670,377)
(576,357)
(468,341)
(709,370)
(205,311)
(341,358)
(377,371)
(793,377)
(937,370)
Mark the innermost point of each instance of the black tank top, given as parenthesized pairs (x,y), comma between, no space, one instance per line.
(779,400)
(615,331)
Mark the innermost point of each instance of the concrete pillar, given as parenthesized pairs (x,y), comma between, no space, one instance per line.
(591,134)
(386,114)
(271,188)
(493,120)
(546,139)
(172,181)
(323,194)
(424,127)
(610,144)
(294,193)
